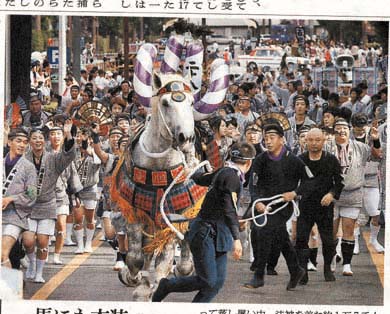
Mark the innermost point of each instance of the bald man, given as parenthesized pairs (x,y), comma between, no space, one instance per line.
(316,204)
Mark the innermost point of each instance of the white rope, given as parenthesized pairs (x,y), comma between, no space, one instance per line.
(162,211)
(276,199)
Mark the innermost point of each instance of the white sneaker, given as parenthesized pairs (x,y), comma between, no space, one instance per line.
(356,250)
(119,265)
(311,267)
(39,279)
(333,264)
(88,248)
(377,246)
(56,259)
(79,250)
(69,243)
(347,270)
(30,273)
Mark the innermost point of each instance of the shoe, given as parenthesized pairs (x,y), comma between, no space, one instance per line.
(347,270)
(161,291)
(328,274)
(39,279)
(304,280)
(252,268)
(256,282)
(118,265)
(271,272)
(333,264)
(30,273)
(69,243)
(295,279)
(56,259)
(79,250)
(377,246)
(311,266)
(53,238)
(88,248)
(24,262)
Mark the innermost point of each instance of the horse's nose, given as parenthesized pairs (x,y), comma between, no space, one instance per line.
(183,138)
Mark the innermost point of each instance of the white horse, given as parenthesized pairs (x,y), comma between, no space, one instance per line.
(153,161)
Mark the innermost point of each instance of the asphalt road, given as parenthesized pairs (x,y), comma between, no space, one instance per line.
(90,277)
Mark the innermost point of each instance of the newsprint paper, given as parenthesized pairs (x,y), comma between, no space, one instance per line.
(366,292)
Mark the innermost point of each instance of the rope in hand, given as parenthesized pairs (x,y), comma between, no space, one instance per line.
(276,199)
(162,211)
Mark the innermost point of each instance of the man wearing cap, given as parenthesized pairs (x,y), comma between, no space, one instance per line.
(215,231)
(48,167)
(361,133)
(19,192)
(353,156)
(109,160)
(316,205)
(276,171)
(35,116)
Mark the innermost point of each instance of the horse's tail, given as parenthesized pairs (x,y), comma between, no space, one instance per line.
(219,83)
(143,73)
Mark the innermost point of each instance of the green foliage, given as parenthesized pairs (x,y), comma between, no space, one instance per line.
(38,41)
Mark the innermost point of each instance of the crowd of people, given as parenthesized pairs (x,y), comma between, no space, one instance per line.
(326,151)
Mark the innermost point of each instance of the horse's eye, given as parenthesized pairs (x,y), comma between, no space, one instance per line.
(165,103)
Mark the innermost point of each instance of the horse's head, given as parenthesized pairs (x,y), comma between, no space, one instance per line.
(173,105)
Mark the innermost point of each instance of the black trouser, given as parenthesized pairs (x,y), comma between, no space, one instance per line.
(323,217)
(262,241)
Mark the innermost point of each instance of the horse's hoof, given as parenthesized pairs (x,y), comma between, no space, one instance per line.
(122,275)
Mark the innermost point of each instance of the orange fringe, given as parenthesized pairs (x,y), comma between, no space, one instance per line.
(161,237)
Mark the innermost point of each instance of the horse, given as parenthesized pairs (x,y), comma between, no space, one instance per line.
(161,153)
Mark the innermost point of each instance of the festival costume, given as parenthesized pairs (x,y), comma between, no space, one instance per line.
(273,176)
(327,179)
(20,184)
(43,215)
(88,169)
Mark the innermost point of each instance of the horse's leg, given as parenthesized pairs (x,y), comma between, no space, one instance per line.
(164,261)
(143,291)
(134,258)
(185,266)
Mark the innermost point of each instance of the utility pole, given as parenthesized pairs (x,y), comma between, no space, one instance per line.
(62,20)
(76,47)
(126,47)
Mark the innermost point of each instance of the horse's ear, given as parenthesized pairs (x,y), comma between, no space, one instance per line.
(156,81)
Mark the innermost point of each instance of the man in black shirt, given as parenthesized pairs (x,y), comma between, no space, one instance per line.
(316,205)
(210,234)
(276,171)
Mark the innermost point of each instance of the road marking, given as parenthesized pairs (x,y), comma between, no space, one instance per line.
(49,287)
(378,259)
